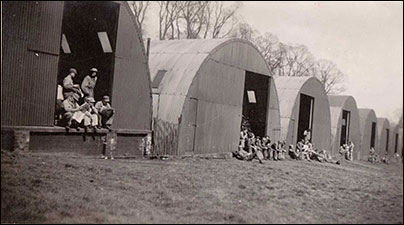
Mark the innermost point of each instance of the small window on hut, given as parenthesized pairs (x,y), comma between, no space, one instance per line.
(157,79)
(106,45)
(251,97)
(65,45)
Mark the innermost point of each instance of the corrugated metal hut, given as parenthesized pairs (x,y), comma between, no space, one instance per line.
(344,123)
(43,39)
(394,142)
(368,130)
(201,89)
(304,105)
(383,131)
(401,138)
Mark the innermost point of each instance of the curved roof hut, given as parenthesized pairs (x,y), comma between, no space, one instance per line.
(368,130)
(344,123)
(400,139)
(201,89)
(394,142)
(383,131)
(304,105)
(43,39)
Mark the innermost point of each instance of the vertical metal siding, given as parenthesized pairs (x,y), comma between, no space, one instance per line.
(47,22)
(131,92)
(28,77)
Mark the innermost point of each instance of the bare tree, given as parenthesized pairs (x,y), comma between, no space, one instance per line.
(288,60)
(193,15)
(244,31)
(271,49)
(139,8)
(168,19)
(296,61)
(196,19)
(330,76)
(218,16)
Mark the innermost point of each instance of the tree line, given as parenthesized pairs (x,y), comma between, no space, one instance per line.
(219,19)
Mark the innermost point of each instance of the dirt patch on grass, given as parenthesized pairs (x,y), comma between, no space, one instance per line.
(70,188)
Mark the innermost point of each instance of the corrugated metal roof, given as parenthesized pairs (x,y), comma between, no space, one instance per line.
(382,123)
(288,89)
(338,100)
(182,59)
(337,104)
(363,117)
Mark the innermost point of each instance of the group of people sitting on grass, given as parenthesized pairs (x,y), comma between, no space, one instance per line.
(305,150)
(252,147)
(78,108)
(375,158)
(347,150)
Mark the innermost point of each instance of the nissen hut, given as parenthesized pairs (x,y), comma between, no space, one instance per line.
(304,105)
(344,123)
(395,143)
(368,130)
(42,40)
(201,90)
(383,131)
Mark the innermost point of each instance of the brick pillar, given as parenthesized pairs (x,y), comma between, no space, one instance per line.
(21,140)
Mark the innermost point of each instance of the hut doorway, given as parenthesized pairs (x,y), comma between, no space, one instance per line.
(89,33)
(373,136)
(396,144)
(255,102)
(387,140)
(306,112)
(345,127)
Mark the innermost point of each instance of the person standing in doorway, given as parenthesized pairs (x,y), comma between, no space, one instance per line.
(350,150)
(89,83)
(307,135)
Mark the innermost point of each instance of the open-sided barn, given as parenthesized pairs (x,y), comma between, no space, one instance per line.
(368,130)
(42,40)
(304,105)
(344,123)
(383,131)
(201,89)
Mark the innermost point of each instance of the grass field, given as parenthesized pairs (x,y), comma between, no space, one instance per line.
(71,188)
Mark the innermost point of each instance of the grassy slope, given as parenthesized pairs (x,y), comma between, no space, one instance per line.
(69,188)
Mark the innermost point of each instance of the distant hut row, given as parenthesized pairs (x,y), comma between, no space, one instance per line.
(190,95)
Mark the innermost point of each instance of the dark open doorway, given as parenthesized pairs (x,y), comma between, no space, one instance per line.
(306,115)
(396,143)
(255,102)
(387,139)
(89,33)
(345,127)
(373,135)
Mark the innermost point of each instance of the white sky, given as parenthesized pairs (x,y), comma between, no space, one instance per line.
(364,39)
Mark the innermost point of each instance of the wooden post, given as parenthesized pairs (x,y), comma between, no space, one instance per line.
(21,140)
